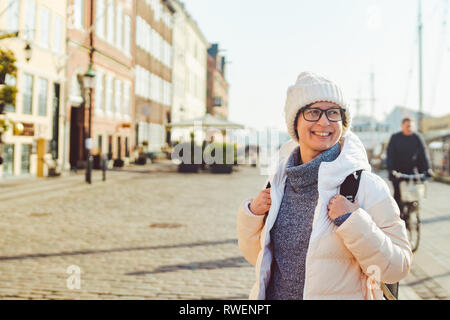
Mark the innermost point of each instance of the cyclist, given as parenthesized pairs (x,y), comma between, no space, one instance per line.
(406,153)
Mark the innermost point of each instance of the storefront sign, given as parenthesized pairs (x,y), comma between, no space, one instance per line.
(435,124)
(27,129)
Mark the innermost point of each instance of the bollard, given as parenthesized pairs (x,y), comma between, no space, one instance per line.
(104,162)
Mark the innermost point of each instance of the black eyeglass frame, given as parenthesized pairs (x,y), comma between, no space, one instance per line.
(341,110)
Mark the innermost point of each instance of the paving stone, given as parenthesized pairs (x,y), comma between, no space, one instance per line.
(190,252)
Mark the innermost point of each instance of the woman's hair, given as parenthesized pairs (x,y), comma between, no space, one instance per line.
(345,121)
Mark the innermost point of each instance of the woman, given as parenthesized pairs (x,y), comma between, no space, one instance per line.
(306,240)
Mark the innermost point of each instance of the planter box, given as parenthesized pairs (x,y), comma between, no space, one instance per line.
(192,168)
(53,172)
(141,160)
(118,163)
(221,168)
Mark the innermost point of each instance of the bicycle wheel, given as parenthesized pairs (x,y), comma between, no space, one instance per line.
(413,225)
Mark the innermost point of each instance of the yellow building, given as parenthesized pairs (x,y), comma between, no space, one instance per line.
(436,132)
(40,83)
(436,124)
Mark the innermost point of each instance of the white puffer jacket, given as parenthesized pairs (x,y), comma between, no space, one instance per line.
(372,242)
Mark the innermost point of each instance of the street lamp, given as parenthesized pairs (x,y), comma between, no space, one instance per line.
(89,83)
(28,52)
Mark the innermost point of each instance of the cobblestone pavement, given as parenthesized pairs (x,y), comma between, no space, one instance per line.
(151,233)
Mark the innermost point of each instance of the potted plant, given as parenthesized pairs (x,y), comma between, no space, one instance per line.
(187,160)
(142,157)
(118,163)
(227,158)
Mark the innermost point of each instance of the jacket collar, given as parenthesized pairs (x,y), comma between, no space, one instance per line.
(300,175)
(352,157)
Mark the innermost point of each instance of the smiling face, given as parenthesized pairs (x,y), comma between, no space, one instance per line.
(316,137)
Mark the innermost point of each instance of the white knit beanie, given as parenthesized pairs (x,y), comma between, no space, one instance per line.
(311,88)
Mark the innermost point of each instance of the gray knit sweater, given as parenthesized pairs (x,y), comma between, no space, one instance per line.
(292,229)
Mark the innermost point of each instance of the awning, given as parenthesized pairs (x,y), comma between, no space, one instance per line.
(431,135)
(207,121)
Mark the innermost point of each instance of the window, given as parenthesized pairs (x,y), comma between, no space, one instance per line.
(170,56)
(160,90)
(157,8)
(30,21)
(99,107)
(153,87)
(44,33)
(27,107)
(42,105)
(138,30)
(108,97)
(110,139)
(127,149)
(57,34)
(8,160)
(127,36)
(25,158)
(136,80)
(10,81)
(147,84)
(159,43)
(147,38)
(78,14)
(119,27)
(118,98)
(155,44)
(126,99)
(100,144)
(110,22)
(100,21)
(169,97)
(161,48)
(218,102)
(12,16)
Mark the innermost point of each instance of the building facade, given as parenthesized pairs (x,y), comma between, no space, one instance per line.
(153,73)
(189,71)
(217,86)
(41,84)
(101,32)
(436,132)
(395,117)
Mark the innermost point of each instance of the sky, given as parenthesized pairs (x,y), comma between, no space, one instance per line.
(268,43)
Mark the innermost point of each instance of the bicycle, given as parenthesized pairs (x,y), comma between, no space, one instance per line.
(412,190)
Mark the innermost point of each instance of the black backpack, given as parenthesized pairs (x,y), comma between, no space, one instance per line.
(349,189)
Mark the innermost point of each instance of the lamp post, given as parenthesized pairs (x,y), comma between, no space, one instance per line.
(28,52)
(89,83)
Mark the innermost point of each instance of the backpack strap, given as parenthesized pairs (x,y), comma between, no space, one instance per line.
(349,188)
(387,292)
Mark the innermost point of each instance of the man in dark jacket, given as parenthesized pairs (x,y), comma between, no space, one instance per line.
(406,152)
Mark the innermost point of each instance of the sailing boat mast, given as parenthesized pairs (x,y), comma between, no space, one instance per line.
(420,27)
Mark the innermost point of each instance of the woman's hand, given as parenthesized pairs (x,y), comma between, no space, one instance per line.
(339,205)
(261,204)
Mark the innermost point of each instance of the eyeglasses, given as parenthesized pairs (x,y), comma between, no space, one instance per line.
(314,114)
